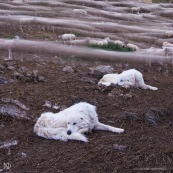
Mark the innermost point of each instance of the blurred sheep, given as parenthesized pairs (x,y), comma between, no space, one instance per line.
(66,37)
(79,11)
(169,34)
(132,46)
(106,41)
(119,43)
(135,9)
(158,51)
(167,44)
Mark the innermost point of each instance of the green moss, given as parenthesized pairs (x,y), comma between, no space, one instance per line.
(112,47)
(165,1)
(9,36)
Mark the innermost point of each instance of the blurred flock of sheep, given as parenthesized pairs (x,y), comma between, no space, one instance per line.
(145,28)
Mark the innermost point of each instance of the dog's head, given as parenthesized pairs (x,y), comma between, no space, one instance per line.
(76,123)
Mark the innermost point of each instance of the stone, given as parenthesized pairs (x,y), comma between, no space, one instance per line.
(23,70)
(47,104)
(8,144)
(101,70)
(120,147)
(131,116)
(18,75)
(128,96)
(12,111)
(157,115)
(2,67)
(3,80)
(16,102)
(68,69)
(11,68)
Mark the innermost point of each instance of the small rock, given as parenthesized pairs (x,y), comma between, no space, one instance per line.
(16,102)
(47,104)
(8,144)
(3,80)
(33,77)
(117,105)
(117,92)
(12,111)
(41,79)
(131,116)
(151,119)
(35,73)
(88,80)
(22,155)
(110,95)
(56,107)
(18,76)
(120,147)
(2,67)
(2,125)
(156,115)
(128,96)
(68,69)
(11,68)
(101,70)
(23,70)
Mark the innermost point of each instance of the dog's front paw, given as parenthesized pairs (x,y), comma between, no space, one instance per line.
(118,130)
(154,88)
(85,139)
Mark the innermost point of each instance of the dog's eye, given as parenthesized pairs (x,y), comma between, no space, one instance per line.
(74,123)
(81,118)
(121,80)
(68,123)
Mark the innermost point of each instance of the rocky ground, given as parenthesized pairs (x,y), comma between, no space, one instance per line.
(36,79)
(145,115)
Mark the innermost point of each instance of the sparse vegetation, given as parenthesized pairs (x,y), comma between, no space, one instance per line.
(165,1)
(112,47)
(9,36)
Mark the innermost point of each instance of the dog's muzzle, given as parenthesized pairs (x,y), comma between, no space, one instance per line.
(69,132)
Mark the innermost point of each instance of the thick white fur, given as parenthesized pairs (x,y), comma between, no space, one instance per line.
(67,37)
(106,41)
(120,43)
(128,78)
(79,119)
(133,46)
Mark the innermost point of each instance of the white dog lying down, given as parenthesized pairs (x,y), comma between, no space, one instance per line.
(71,123)
(128,78)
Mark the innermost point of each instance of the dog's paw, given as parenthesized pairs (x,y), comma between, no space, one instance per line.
(118,130)
(85,139)
(154,88)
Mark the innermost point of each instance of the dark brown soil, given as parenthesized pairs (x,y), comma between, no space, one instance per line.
(146,146)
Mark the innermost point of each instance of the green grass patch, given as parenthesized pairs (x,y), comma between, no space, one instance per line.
(9,36)
(112,47)
(163,1)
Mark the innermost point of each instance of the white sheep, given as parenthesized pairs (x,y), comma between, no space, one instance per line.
(132,46)
(79,11)
(157,51)
(66,37)
(169,33)
(135,9)
(99,42)
(166,44)
(119,43)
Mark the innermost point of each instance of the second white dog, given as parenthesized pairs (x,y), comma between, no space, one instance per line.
(128,78)
(71,123)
